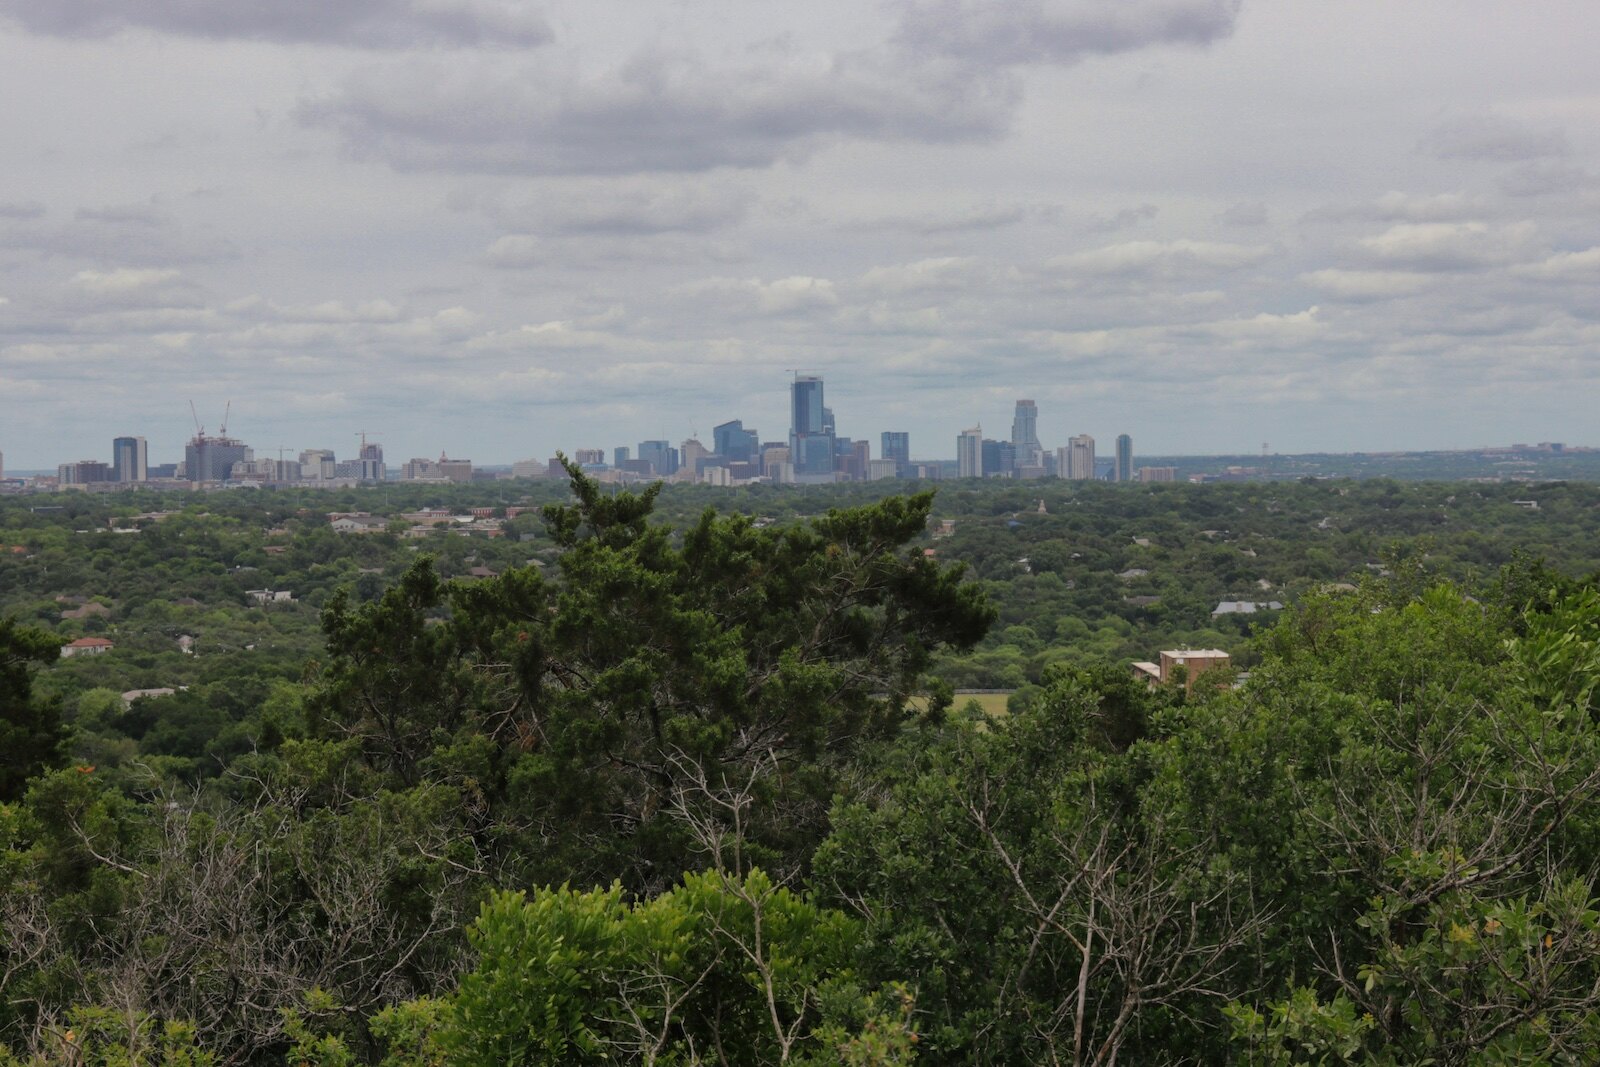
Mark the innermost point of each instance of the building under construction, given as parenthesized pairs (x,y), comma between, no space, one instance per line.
(209,459)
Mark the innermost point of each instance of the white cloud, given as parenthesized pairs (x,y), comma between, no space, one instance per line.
(942,274)
(514,250)
(796,294)
(122,280)
(1566,266)
(1368,284)
(1182,257)
(1448,246)
(785,295)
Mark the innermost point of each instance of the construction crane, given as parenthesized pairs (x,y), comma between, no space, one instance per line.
(199,431)
(223,429)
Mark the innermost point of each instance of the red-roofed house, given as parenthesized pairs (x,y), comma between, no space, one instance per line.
(86,646)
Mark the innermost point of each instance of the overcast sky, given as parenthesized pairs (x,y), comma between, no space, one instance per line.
(499,228)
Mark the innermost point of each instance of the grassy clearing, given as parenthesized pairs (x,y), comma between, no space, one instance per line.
(991,703)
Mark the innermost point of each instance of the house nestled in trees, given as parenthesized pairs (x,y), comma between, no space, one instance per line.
(1245,607)
(1193,661)
(86,646)
(358,523)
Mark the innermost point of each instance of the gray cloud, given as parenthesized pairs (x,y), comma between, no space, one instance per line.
(516,251)
(1395,206)
(942,80)
(112,235)
(1060,31)
(965,220)
(1121,220)
(125,214)
(1244,214)
(632,205)
(657,112)
(1492,139)
(22,210)
(358,23)
(1546,177)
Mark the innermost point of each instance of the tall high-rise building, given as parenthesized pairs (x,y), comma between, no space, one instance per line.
(1025,434)
(734,443)
(130,460)
(811,444)
(1080,458)
(371,459)
(969,453)
(1124,468)
(619,456)
(661,456)
(589,457)
(896,446)
(805,405)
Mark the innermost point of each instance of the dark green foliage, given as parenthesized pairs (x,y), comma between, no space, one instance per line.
(31,735)
(390,678)
(654,671)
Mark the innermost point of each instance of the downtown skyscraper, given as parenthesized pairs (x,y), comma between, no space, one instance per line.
(811,446)
(130,460)
(1025,435)
(969,453)
(1123,472)
(896,446)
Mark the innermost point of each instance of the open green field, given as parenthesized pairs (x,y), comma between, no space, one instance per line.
(991,703)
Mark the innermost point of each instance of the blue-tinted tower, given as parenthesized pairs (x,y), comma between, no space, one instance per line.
(810,430)
(734,443)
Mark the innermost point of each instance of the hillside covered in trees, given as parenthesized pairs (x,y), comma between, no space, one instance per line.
(625,779)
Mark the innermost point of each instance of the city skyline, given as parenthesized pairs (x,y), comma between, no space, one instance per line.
(813,428)
(483,225)
(616,455)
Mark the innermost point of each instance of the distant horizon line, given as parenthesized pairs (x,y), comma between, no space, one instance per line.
(1184,456)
